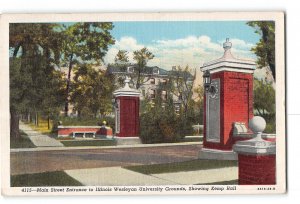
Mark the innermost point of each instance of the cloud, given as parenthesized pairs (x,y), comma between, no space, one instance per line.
(192,50)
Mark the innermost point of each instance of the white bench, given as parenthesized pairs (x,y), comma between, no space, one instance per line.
(84,134)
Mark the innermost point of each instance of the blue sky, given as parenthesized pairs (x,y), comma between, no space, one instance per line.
(183,42)
(147,32)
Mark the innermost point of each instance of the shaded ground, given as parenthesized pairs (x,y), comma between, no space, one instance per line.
(22,142)
(182,166)
(57,178)
(43,161)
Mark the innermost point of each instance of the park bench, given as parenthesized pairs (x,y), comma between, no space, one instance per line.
(84,133)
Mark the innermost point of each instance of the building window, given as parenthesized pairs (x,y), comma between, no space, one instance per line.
(152,94)
(130,69)
(152,81)
(164,81)
(155,71)
(164,95)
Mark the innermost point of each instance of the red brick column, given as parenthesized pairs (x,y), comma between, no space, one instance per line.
(256,157)
(257,169)
(127,104)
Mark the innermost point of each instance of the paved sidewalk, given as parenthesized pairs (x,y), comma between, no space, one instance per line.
(39,139)
(201,176)
(114,176)
(118,176)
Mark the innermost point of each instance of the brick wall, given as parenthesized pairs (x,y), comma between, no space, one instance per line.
(257,169)
(236,105)
(65,131)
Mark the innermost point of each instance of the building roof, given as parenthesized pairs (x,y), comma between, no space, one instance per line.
(149,70)
(228,61)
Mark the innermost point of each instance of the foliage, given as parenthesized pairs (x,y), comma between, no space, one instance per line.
(34,82)
(264,103)
(158,119)
(161,121)
(141,57)
(91,91)
(265,48)
(182,81)
(84,42)
(122,57)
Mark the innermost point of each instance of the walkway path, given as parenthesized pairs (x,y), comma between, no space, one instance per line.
(39,139)
(118,176)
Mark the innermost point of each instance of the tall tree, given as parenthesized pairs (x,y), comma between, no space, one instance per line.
(92,91)
(34,51)
(264,103)
(265,48)
(85,42)
(122,57)
(264,98)
(141,57)
(182,81)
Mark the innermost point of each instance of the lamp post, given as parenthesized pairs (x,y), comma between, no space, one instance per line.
(207,83)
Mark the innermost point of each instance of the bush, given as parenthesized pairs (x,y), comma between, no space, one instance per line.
(159,125)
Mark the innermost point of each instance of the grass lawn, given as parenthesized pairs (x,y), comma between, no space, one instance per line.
(22,142)
(43,126)
(75,143)
(181,166)
(56,178)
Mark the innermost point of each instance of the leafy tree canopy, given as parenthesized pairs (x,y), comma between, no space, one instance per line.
(265,48)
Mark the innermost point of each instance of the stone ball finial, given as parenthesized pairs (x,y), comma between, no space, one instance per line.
(257,124)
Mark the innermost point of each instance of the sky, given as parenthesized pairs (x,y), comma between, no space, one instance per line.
(182,43)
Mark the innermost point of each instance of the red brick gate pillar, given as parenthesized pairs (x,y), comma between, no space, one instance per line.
(127,125)
(256,157)
(230,101)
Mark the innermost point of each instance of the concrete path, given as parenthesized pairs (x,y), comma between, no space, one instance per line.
(118,176)
(39,139)
(114,176)
(201,176)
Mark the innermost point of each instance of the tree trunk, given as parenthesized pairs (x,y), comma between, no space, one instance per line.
(68,86)
(14,124)
(48,122)
(36,119)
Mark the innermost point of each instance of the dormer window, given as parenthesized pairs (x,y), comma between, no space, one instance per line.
(164,95)
(164,81)
(152,81)
(130,69)
(155,70)
(152,93)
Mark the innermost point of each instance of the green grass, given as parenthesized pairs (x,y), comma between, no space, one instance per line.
(22,142)
(75,143)
(181,166)
(55,178)
(197,139)
(42,127)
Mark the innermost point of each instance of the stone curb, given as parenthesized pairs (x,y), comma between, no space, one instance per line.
(38,149)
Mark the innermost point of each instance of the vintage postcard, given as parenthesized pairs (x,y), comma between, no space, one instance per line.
(143,103)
